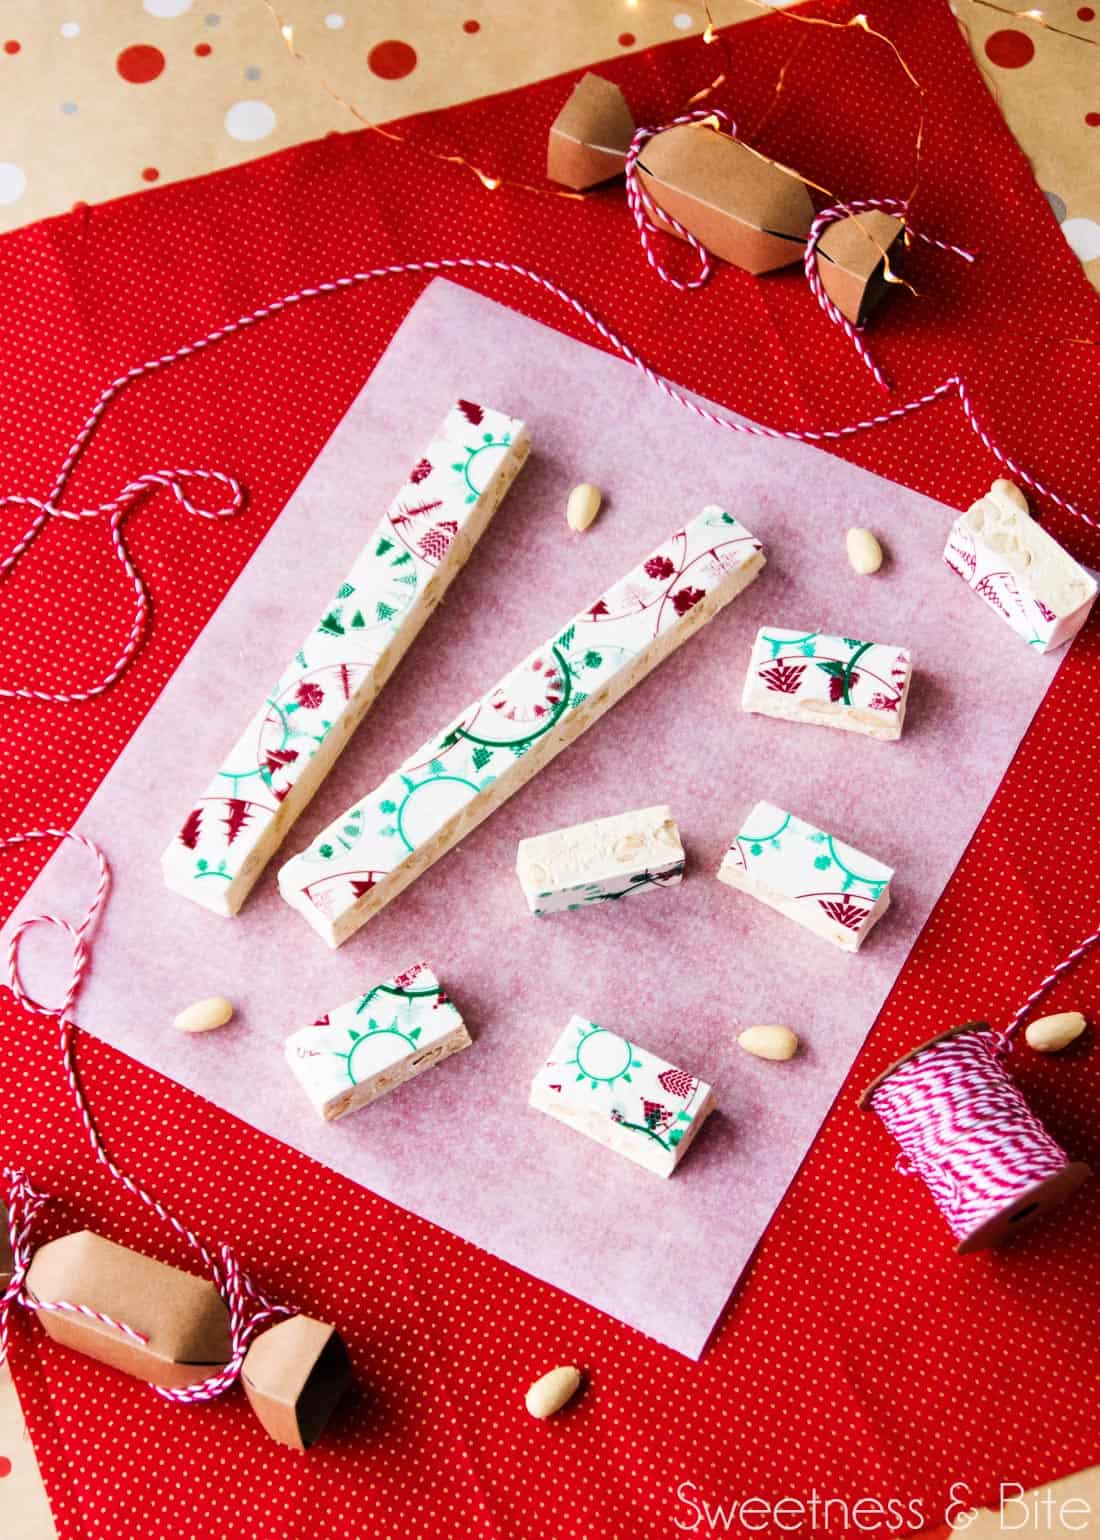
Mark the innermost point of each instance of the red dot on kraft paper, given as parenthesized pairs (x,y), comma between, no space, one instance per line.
(11,46)
(1092,119)
(1009,49)
(392,60)
(203,50)
(471,26)
(150,174)
(1086,13)
(5,1466)
(627,40)
(140,63)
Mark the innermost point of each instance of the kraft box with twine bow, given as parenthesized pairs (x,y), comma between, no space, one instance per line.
(710,188)
(174,1330)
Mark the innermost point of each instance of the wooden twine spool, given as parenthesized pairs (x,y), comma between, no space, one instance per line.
(965,1129)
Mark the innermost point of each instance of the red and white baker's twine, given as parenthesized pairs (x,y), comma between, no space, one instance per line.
(647,212)
(249,1310)
(653,221)
(821,223)
(176,479)
(963,1124)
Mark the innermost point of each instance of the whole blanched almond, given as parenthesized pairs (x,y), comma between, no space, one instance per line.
(627,846)
(864,551)
(550,1393)
(1050,1034)
(583,505)
(769,1042)
(205,1015)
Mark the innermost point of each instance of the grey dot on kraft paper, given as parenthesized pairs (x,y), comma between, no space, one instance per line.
(1056,204)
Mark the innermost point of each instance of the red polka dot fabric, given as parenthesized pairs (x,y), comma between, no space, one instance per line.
(860,1358)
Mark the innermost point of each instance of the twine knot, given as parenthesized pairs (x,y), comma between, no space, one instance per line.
(177,481)
(249,1310)
(652,220)
(23,1204)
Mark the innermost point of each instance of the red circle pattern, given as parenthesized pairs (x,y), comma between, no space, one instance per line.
(203,50)
(471,26)
(140,63)
(5,1466)
(392,60)
(1009,49)
(11,46)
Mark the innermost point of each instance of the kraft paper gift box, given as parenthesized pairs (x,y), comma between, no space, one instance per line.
(292,1381)
(746,209)
(294,1374)
(6,1263)
(853,258)
(590,136)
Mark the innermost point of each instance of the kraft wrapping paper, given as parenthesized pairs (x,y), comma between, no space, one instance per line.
(680,971)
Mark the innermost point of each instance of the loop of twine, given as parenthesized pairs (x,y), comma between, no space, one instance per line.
(114,510)
(249,1310)
(642,208)
(1003,1040)
(900,210)
(647,212)
(652,220)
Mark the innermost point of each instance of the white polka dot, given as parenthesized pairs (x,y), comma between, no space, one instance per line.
(69,29)
(1084,236)
(250,120)
(167,8)
(683,21)
(334,20)
(13,183)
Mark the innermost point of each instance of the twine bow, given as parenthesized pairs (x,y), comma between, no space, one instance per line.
(249,1310)
(114,511)
(652,220)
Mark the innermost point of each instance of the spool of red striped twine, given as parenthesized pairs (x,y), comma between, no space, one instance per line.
(965,1129)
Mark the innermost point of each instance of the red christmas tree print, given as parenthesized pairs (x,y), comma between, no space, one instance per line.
(783,677)
(686,599)
(880,702)
(403,515)
(655,1115)
(361,885)
(677,1082)
(407,979)
(472,412)
(990,594)
(192,828)
(659,567)
(236,818)
(279,759)
(966,556)
(837,683)
(309,695)
(434,545)
(844,911)
(420,471)
(1047,615)
(598,609)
